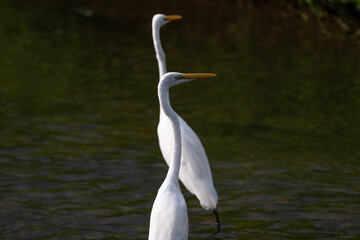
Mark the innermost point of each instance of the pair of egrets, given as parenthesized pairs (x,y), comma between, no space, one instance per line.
(182,151)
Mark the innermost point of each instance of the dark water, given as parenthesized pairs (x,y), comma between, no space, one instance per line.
(79,157)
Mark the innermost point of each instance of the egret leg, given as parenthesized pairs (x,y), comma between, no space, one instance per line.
(218,226)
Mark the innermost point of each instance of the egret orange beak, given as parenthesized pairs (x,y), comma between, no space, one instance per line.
(193,76)
(173,17)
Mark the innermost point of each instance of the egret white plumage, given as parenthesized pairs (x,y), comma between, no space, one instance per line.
(195,172)
(169,219)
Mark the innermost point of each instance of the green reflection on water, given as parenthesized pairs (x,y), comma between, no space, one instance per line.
(79,155)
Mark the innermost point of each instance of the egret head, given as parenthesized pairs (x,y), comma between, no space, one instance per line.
(171,79)
(160,20)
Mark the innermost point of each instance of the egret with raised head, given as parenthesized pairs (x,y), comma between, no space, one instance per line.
(169,219)
(195,172)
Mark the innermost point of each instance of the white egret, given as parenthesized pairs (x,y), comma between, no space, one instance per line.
(169,219)
(195,172)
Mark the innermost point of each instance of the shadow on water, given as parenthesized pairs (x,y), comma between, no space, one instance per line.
(78,151)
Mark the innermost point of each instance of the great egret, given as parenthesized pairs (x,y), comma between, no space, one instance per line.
(195,172)
(169,219)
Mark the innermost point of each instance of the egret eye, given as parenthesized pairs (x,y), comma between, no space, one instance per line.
(179,77)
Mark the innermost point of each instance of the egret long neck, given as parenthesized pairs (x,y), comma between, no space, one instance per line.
(174,167)
(160,55)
